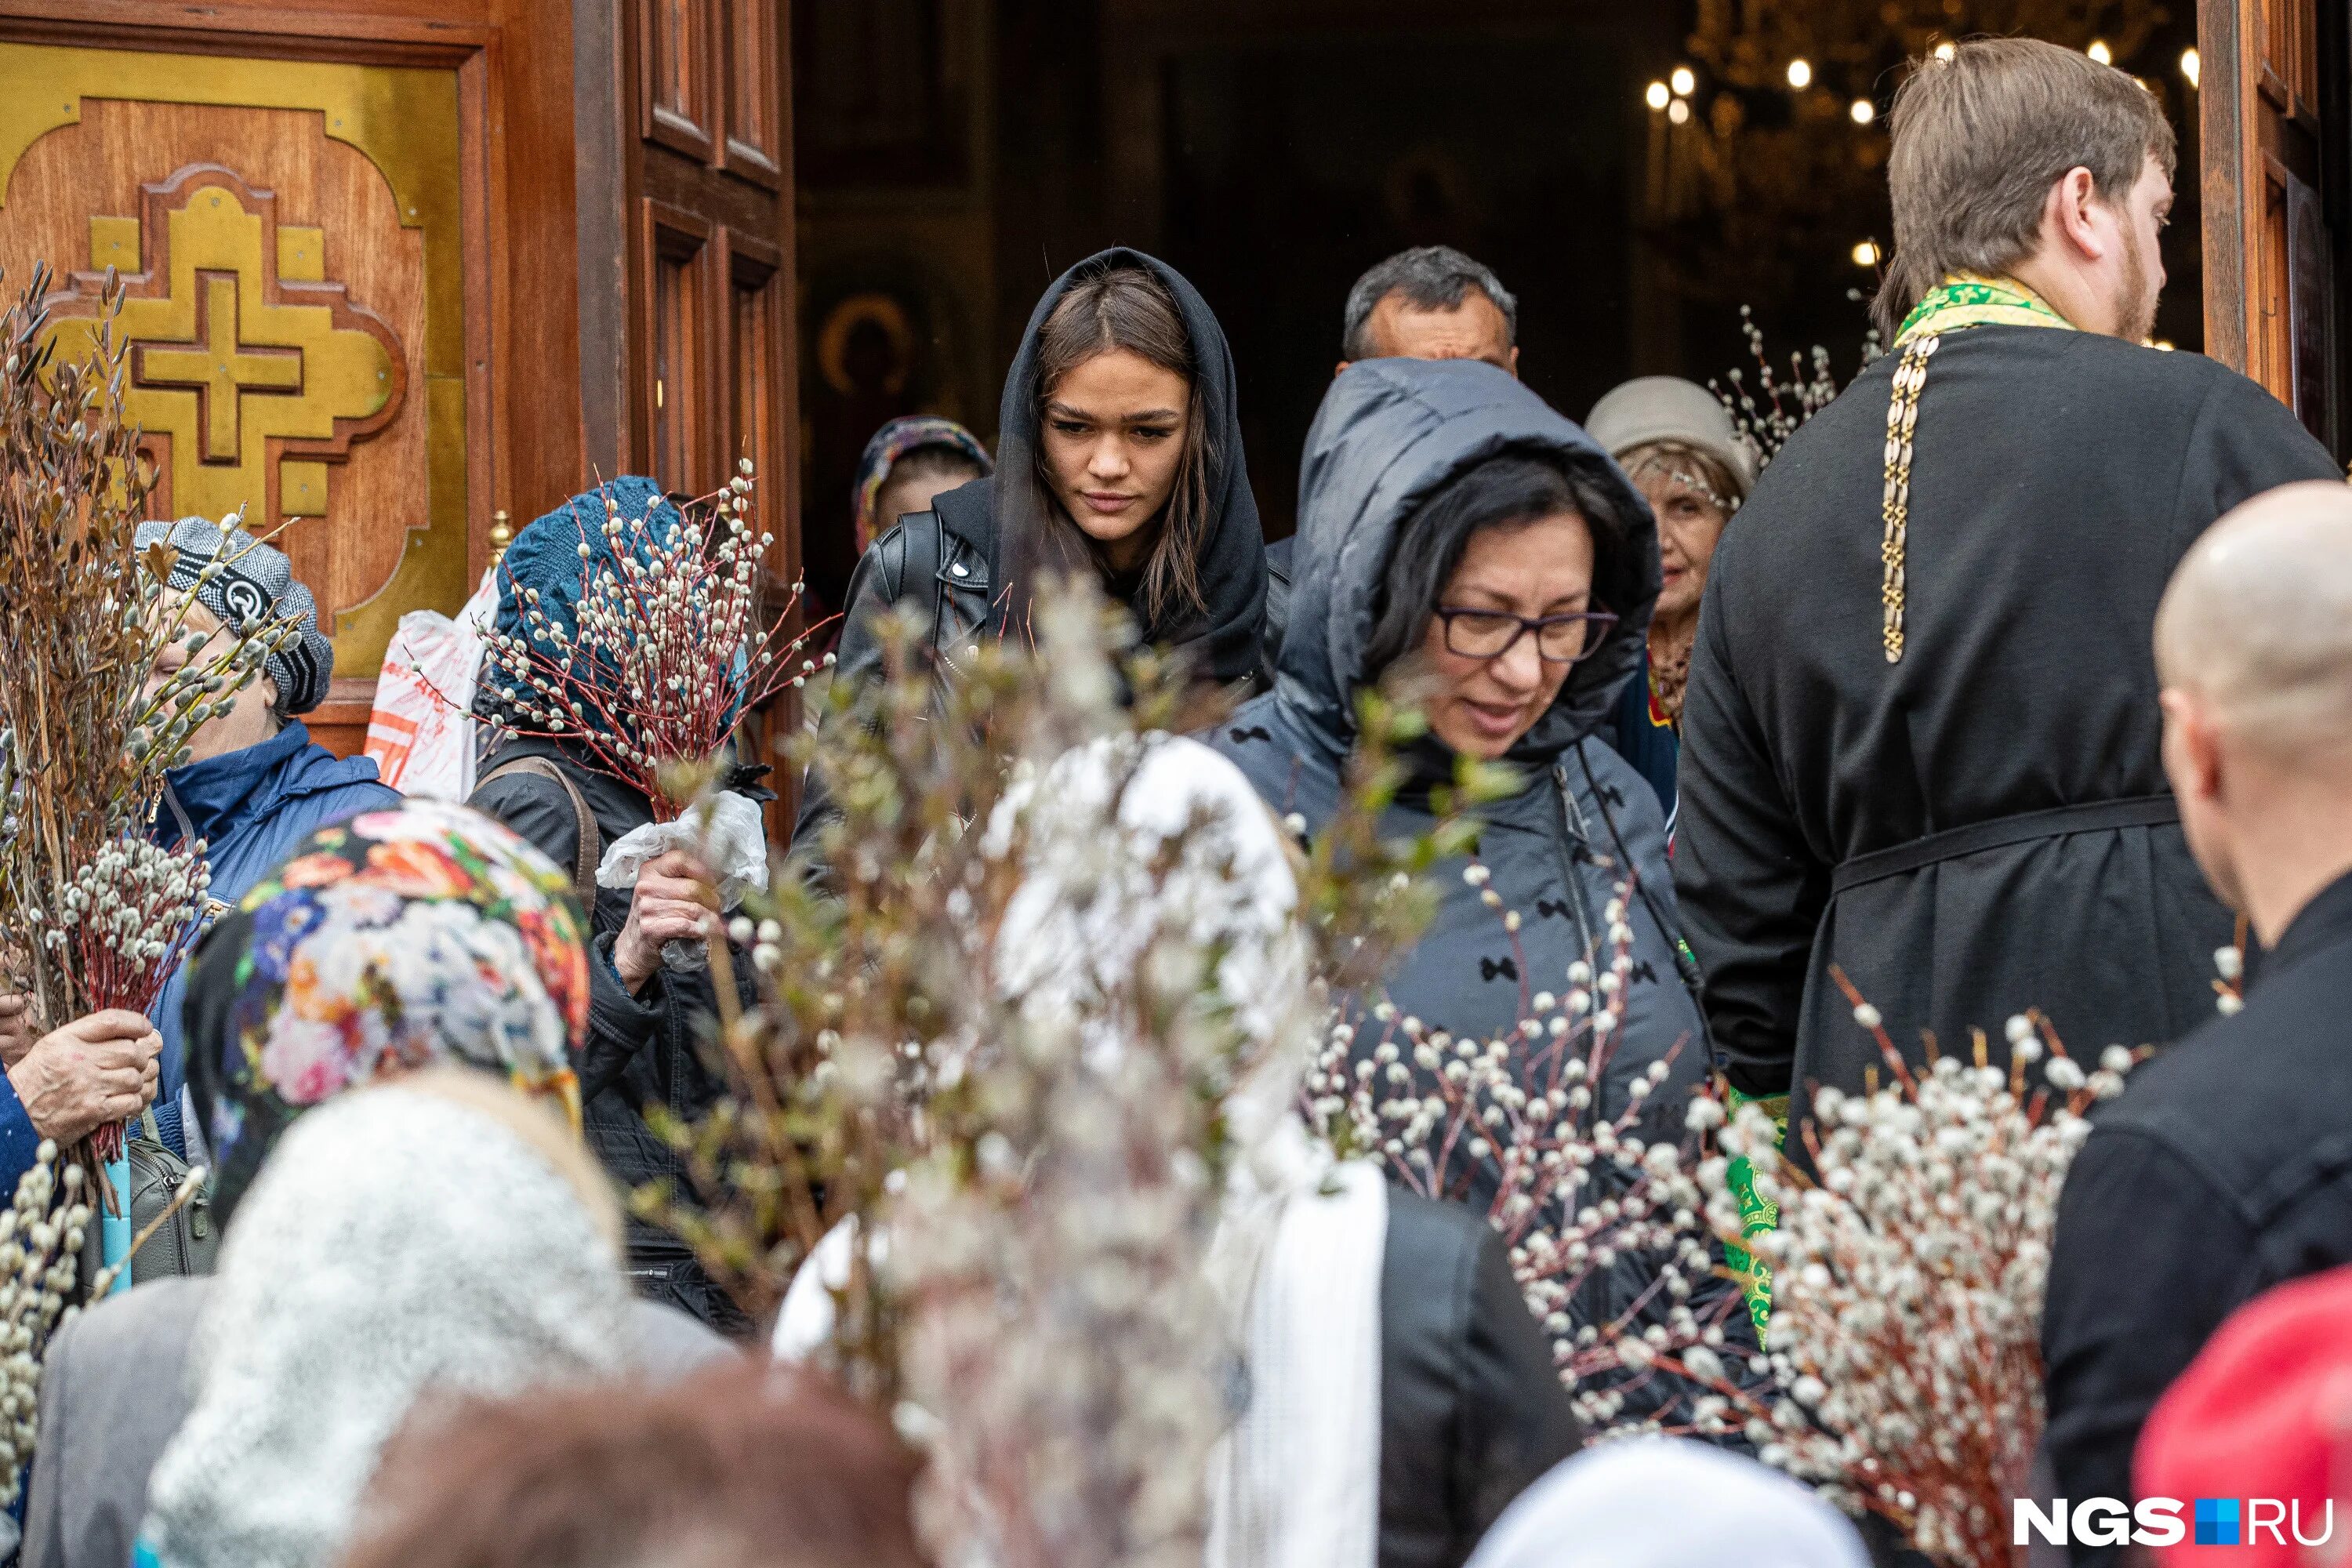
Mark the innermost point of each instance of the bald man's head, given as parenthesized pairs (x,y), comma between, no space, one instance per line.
(2257,625)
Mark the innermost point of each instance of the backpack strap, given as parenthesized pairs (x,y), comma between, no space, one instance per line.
(590,838)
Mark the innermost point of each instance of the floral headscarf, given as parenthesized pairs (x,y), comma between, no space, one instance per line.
(900,438)
(427,933)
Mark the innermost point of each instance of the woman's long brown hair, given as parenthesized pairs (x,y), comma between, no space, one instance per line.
(1128,308)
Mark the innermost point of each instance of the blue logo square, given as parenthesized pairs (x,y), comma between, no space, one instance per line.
(2216,1521)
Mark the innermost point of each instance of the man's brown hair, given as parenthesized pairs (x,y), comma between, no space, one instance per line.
(1978,140)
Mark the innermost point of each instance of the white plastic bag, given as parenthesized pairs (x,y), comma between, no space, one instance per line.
(733,847)
(421,731)
(732,843)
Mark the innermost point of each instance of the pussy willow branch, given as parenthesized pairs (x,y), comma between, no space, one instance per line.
(84,741)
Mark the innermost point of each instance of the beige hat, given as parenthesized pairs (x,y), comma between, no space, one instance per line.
(1668,408)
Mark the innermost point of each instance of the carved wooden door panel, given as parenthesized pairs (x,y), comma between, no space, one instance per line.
(710,261)
(701,354)
(292,237)
(2274,203)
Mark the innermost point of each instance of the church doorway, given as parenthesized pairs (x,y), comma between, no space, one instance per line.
(1636,173)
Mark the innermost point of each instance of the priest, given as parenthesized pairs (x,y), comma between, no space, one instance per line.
(1920,743)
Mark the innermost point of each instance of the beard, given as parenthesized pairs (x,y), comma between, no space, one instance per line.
(2136,297)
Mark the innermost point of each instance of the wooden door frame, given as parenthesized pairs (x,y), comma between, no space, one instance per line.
(2229,140)
(2245,155)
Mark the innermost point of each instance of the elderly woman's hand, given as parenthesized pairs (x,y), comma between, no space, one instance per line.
(94,1070)
(673,899)
(16,1027)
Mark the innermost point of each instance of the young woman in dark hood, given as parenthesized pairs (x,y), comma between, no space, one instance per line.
(1119,453)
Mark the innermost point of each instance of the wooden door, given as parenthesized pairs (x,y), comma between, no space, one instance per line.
(2276,134)
(311,211)
(688,349)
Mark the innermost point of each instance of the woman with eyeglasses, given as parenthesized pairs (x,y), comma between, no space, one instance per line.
(1450,520)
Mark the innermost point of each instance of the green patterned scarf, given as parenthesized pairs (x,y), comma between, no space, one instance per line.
(1968,299)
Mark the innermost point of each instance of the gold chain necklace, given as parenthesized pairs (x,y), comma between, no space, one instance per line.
(1901,418)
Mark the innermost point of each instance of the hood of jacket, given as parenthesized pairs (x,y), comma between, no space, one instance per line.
(997,516)
(1390,433)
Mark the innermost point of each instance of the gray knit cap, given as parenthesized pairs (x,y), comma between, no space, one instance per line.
(1668,408)
(255,583)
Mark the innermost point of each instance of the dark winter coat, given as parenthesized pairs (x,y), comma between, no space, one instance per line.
(2225,1168)
(643,1050)
(962,563)
(1391,432)
(2057,479)
(1471,1411)
(250,807)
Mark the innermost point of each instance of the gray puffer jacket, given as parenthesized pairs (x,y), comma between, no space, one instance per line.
(1389,433)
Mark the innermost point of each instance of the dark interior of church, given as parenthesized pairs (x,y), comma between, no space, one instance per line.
(1636,173)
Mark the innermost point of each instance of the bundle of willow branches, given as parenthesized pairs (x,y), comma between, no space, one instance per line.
(1046,1206)
(1606,1231)
(671,644)
(87,731)
(1909,1265)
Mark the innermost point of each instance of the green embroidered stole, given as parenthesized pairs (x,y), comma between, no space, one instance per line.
(1967,300)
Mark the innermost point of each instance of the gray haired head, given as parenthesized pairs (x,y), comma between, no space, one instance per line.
(1431,277)
(255,583)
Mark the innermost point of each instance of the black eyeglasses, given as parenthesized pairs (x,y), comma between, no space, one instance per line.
(1491,634)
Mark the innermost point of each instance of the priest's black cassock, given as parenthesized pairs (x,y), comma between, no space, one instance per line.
(1982,825)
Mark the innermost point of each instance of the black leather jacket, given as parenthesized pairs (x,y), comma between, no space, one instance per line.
(919,564)
(1277,608)
(643,1049)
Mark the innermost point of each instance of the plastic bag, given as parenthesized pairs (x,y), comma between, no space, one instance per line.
(732,843)
(733,847)
(421,732)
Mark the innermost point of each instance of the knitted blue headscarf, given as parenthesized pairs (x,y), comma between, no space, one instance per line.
(545,558)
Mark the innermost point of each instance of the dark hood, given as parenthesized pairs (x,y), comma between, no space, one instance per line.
(1389,433)
(997,518)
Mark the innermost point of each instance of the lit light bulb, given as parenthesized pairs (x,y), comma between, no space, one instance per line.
(2164,345)
(2192,66)
(1657,95)
(1864,111)
(1683,81)
(1678,111)
(1801,73)
(1946,49)
(1865,253)
(2100,52)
